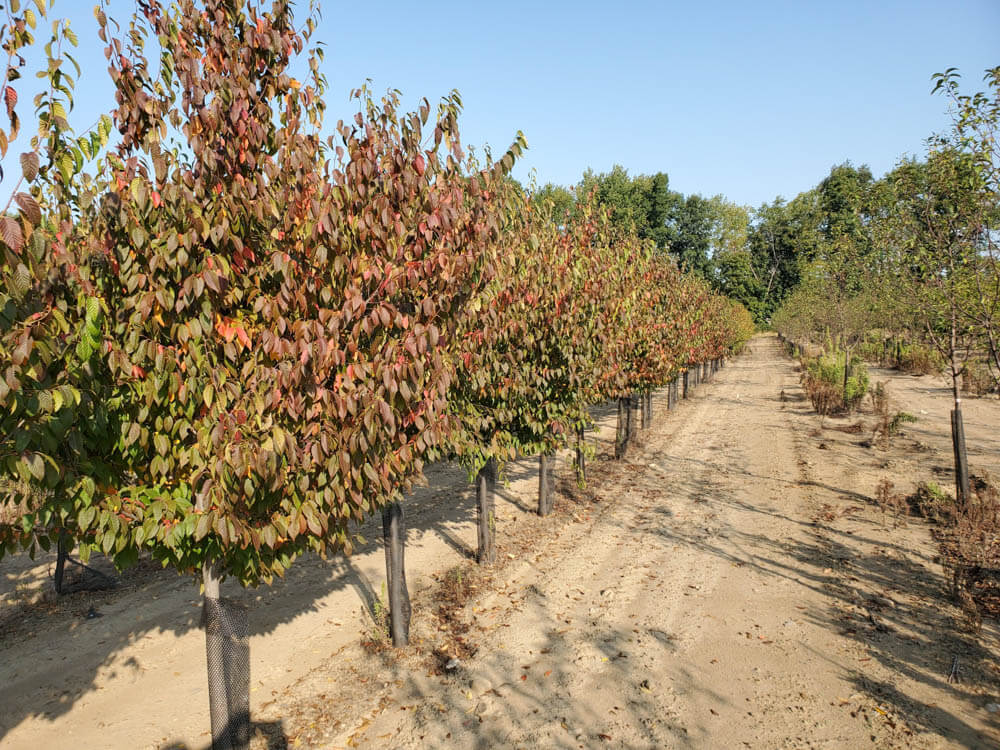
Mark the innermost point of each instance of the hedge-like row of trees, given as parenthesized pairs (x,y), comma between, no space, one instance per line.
(239,338)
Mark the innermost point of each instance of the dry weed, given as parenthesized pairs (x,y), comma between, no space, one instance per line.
(891,501)
(971,548)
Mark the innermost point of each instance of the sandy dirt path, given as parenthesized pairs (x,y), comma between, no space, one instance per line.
(710,604)
(730,584)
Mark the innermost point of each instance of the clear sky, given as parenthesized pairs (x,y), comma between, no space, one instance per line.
(748,99)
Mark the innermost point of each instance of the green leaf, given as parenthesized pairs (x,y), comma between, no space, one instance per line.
(161,443)
(86,517)
(65,165)
(203,527)
(37,466)
(21,281)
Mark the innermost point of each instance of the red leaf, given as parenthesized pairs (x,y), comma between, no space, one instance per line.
(30,207)
(29,165)
(10,97)
(12,234)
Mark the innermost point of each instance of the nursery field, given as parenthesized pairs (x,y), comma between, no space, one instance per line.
(732,582)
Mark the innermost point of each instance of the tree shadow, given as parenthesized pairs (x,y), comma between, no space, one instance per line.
(271,736)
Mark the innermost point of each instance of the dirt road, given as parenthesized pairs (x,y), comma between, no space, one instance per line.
(730,584)
(713,603)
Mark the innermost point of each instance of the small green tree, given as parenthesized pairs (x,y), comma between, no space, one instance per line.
(937,222)
(976,123)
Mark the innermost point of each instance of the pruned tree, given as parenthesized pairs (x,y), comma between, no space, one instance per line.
(281,306)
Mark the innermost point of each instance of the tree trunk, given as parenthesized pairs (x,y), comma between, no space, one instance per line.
(644,410)
(228,657)
(486,482)
(687,383)
(581,459)
(847,371)
(394,539)
(544,484)
(961,459)
(62,553)
(622,431)
(633,417)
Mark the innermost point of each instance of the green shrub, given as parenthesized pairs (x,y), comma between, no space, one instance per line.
(918,359)
(824,382)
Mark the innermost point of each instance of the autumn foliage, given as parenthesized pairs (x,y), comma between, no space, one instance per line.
(247,338)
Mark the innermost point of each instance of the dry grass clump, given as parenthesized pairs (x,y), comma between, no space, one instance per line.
(891,502)
(970,547)
(887,423)
(825,397)
(931,502)
(978,380)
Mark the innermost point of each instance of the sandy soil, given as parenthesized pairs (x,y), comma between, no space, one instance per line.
(730,584)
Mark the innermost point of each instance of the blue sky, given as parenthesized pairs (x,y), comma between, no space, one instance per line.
(748,99)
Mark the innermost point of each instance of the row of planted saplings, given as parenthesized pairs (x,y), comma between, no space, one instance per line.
(634,413)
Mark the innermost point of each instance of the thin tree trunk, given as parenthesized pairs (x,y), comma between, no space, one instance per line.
(581,459)
(544,484)
(633,418)
(622,431)
(61,554)
(958,443)
(957,428)
(394,539)
(687,383)
(228,661)
(847,370)
(486,482)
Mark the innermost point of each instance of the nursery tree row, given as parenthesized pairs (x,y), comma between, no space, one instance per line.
(234,338)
